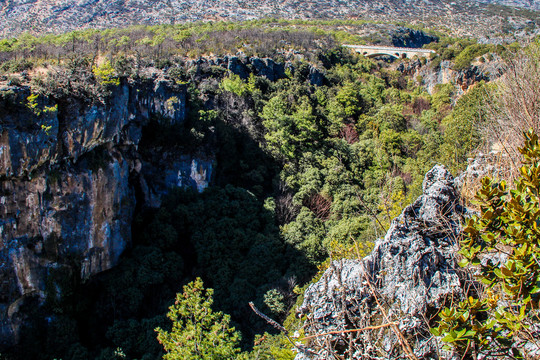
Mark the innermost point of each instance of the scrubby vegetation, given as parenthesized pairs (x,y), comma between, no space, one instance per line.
(501,243)
(515,106)
(307,169)
(163,46)
(198,332)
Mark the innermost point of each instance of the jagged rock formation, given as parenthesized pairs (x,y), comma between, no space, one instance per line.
(494,164)
(409,276)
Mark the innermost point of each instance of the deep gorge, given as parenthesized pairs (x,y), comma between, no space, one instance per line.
(118,186)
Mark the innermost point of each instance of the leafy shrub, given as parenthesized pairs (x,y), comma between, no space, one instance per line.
(123,65)
(502,244)
(274,300)
(12,66)
(462,128)
(442,98)
(105,74)
(464,59)
(32,104)
(233,84)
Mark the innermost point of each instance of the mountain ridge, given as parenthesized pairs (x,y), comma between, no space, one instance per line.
(45,16)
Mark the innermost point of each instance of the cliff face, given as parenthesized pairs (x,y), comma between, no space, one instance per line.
(444,73)
(74,169)
(68,182)
(409,276)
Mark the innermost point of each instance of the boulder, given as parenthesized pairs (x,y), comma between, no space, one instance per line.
(268,68)
(236,66)
(316,77)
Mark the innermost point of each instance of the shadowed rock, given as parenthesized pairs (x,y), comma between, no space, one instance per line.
(68,180)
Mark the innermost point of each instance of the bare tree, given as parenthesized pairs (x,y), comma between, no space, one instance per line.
(515,102)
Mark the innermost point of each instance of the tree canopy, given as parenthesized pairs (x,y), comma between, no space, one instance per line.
(198,332)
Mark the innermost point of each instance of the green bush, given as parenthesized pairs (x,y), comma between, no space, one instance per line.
(464,59)
(105,74)
(233,84)
(502,245)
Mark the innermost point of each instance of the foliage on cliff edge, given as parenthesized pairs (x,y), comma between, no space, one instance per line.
(502,244)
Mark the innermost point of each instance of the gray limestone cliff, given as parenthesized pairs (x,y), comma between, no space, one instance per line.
(68,182)
(408,277)
(444,73)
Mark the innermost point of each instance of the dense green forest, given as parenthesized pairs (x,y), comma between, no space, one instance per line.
(309,167)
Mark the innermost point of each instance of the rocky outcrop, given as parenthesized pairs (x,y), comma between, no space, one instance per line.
(444,73)
(494,164)
(242,66)
(23,147)
(268,68)
(396,290)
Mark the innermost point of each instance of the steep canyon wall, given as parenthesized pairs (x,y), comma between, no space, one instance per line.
(69,178)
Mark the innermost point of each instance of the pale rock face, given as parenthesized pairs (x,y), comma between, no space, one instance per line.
(190,172)
(200,174)
(444,73)
(83,215)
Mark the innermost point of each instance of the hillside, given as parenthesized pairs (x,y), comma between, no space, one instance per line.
(463,17)
(251,155)
(525,4)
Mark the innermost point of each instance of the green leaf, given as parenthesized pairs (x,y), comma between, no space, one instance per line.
(448,338)
(461,333)
(463,262)
(506,273)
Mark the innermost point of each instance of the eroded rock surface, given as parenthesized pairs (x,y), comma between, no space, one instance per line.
(70,174)
(494,164)
(444,73)
(407,278)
